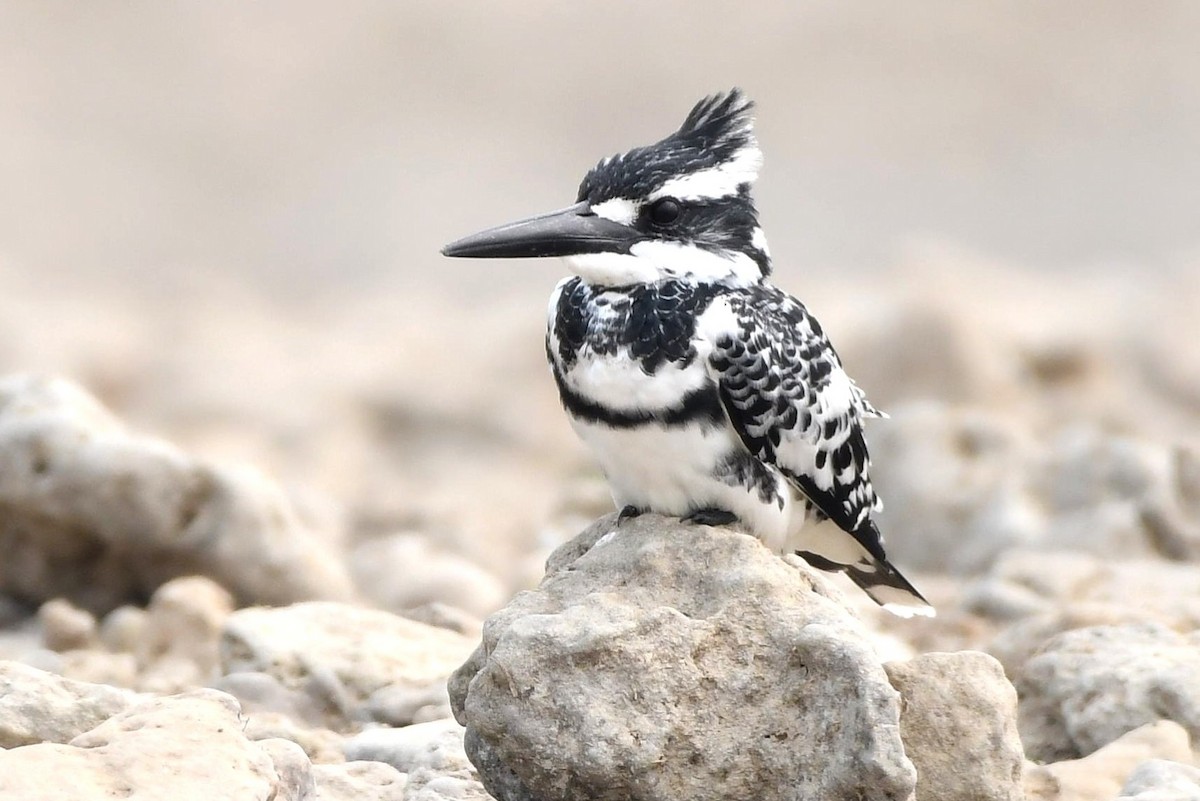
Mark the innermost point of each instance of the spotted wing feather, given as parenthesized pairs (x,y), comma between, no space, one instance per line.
(792,404)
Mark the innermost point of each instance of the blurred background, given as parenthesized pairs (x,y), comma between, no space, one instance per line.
(224,220)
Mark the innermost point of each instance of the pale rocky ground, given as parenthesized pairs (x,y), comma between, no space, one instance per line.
(277,538)
(268,463)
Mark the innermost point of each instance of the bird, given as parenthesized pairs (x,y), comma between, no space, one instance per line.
(704,391)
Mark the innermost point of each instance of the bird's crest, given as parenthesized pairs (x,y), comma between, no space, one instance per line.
(713,155)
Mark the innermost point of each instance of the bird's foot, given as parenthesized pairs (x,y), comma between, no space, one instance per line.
(711,517)
(628,513)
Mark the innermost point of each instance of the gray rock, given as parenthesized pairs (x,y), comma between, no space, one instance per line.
(959,709)
(102,516)
(1089,686)
(1162,780)
(671,661)
(37,707)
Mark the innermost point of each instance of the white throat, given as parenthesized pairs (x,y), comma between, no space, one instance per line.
(652,261)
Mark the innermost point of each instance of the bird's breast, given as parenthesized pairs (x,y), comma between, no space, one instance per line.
(619,381)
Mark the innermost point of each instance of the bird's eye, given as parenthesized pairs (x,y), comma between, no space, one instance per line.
(665,212)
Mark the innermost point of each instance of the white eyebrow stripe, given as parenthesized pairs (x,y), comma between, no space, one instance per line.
(713,183)
(618,209)
(759,240)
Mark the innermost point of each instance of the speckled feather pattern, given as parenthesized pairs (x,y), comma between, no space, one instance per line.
(771,374)
(787,395)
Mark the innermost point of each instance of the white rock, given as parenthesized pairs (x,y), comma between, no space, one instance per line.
(66,627)
(1087,687)
(952,487)
(962,488)
(292,767)
(178,646)
(1100,775)
(403,571)
(437,745)
(1162,780)
(123,628)
(339,654)
(431,755)
(677,662)
(36,706)
(359,781)
(98,515)
(260,692)
(185,748)
(958,709)
(320,745)
(398,705)
(1017,643)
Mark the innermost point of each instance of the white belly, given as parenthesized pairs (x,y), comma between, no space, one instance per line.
(670,470)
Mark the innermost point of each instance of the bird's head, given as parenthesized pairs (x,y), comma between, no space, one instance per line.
(680,208)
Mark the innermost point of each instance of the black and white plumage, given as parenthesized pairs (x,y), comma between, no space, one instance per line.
(703,390)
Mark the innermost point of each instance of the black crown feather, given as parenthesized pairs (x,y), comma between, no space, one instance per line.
(716,129)
(720,123)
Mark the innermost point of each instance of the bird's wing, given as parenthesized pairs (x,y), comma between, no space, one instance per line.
(792,404)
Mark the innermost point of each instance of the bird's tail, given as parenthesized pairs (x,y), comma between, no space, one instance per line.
(880,581)
(886,587)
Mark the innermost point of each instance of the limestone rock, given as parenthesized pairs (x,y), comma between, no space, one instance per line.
(670,661)
(430,754)
(1100,775)
(398,705)
(185,748)
(437,745)
(178,644)
(359,781)
(952,482)
(36,706)
(339,654)
(1162,780)
(262,693)
(1058,581)
(100,516)
(292,769)
(959,709)
(1017,643)
(402,571)
(66,627)
(123,629)
(319,745)
(1089,686)
(963,487)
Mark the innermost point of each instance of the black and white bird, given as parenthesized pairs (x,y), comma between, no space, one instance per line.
(704,391)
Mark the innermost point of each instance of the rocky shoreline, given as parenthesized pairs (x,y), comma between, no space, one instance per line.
(173,626)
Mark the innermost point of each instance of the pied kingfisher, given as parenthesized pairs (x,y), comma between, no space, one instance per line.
(704,391)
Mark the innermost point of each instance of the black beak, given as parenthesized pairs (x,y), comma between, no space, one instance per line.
(568,232)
